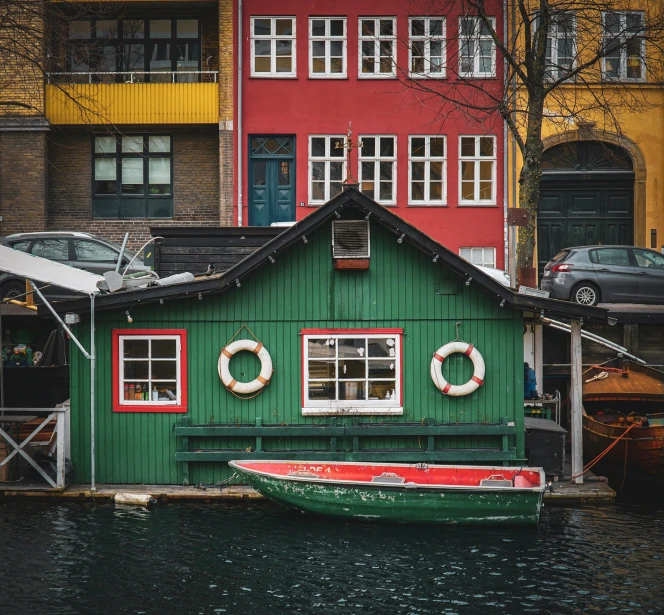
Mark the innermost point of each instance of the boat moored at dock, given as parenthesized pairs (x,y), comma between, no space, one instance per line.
(405,493)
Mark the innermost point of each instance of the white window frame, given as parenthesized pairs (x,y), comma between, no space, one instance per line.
(552,68)
(476,158)
(427,159)
(377,159)
(179,376)
(623,47)
(327,39)
(427,38)
(330,142)
(478,256)
(273,38)
(345,407)
(377,39)
(477,37)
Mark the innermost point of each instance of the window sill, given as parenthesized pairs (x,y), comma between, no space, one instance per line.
(426,205)
(483,77)
(391,76)
(477,205)
(423,77)
(351,411)
(273,77)
(324,77)
(149,408)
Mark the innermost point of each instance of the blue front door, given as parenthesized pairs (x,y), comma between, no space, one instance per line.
(271,180)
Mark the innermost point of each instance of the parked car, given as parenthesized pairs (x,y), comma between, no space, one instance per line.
(80,250)
(607,274)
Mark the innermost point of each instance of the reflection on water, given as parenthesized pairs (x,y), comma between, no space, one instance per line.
(254,559)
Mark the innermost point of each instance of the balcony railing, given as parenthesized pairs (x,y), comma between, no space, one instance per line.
(179,76)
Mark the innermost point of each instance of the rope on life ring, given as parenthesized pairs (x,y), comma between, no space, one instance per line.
(457,390)
(244,388)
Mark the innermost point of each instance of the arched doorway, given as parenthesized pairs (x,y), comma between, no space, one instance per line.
(586,197)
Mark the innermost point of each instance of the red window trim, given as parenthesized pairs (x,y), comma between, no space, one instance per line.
(115,357)
(304,332)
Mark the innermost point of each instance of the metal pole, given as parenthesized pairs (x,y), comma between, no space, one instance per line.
(93,486)
(240,136)
(124,245)
(575,396)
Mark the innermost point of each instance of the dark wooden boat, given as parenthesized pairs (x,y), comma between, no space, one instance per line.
(629,393)
(398,492)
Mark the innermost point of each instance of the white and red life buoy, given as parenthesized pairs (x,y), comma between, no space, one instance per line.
(477,379)
(259,382)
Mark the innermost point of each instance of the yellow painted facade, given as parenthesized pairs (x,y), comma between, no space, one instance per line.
(133,103)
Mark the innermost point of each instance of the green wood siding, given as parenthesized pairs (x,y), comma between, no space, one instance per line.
(302,290)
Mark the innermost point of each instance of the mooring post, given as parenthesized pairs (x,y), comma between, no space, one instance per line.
(575,398)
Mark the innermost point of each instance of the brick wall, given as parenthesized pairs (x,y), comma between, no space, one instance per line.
(195,185)
(23,175)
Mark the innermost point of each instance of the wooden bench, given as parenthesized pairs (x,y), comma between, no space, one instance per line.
(345,442)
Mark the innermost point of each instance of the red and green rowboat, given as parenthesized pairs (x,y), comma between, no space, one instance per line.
(406,493)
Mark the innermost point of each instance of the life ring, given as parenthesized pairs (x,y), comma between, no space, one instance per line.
(225,373)
(477,379)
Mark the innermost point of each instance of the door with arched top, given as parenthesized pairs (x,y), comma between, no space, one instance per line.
(586,198)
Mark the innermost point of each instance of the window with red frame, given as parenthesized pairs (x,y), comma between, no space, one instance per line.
(352,371)
(149,370)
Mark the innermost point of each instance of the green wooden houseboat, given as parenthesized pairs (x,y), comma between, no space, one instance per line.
(351,307)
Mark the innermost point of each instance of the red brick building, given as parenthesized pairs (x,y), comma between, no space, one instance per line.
(308,69)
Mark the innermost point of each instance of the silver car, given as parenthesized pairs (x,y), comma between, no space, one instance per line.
(607,274)
(80,250)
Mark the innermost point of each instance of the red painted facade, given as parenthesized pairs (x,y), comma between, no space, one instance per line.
(302,106)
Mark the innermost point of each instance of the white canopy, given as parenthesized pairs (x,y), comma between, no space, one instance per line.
(49,272)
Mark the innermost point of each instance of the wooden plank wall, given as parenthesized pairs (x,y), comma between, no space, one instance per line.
(193,249)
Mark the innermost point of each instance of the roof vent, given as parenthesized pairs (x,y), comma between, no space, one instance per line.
(350,239)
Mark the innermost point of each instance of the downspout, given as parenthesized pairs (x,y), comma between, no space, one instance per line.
(93,485)
(240,136)
(512,230)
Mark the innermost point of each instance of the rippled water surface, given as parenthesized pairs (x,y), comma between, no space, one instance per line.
(70,558)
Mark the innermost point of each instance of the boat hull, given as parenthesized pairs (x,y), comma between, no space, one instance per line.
(400,503)
(637,458)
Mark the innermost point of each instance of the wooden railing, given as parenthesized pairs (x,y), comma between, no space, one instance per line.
(344,442)
(45,426)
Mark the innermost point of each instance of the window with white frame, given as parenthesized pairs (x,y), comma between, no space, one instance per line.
(477,170)
(378,39)
(273,46)
(560,56)
(350,372)
(149,373)
(477,52)
(484,257)
(327,47)
(378,159)
(428,170)
(427,47)
(327,167)
(625,46)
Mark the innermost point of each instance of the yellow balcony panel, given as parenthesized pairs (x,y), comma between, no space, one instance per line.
(133,103)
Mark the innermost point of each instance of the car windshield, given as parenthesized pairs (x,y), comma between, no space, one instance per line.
(127,253)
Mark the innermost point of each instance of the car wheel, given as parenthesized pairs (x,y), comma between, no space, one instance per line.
(12,290)
(585,293)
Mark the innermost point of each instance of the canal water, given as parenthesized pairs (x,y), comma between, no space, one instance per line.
(252,559)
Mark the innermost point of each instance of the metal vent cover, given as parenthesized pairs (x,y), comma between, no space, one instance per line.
(350,239)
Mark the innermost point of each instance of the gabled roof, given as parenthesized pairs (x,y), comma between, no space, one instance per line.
(349,200)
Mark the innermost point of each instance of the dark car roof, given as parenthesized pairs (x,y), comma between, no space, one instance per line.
(604,246)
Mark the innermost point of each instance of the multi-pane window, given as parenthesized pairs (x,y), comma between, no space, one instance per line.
(427,47)
(149,372)
(561,45)
(428,170)
(477,170)
(355,372)
(378,39)
(378,159)
(135,50)
(273,46)
(477,52)
(484,257)
(132,176)
(327,167)
(624,45)
(327,47)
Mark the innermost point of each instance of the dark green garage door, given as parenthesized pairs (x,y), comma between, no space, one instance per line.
(586,197)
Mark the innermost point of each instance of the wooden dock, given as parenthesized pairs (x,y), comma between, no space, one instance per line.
(594,491)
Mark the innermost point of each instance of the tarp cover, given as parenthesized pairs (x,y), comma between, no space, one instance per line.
(49,272)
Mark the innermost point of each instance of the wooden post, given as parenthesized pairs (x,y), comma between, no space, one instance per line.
(60,450)
(575,398)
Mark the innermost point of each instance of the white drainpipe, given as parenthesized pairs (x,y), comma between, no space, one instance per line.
(240,136)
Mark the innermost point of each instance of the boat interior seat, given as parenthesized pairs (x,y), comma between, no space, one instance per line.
(495,482)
